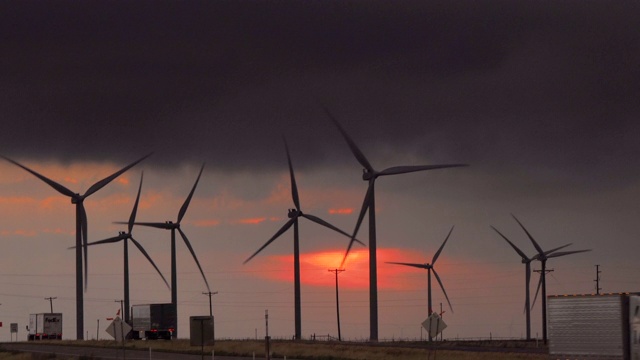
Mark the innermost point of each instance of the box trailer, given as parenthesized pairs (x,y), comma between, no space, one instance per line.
(592,326)
(45,326)
(153,321)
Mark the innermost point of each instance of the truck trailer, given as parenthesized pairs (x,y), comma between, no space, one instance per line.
(45,326)
(153,321)
(605,326)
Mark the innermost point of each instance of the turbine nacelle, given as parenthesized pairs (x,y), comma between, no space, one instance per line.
(294,213)
(367,175)
(76,199)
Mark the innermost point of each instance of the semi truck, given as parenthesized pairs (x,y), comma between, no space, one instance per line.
(153,321)
(603,326)
(45,326)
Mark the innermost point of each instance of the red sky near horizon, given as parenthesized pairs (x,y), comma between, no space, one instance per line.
(314,269)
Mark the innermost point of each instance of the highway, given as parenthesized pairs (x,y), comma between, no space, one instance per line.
(111,353)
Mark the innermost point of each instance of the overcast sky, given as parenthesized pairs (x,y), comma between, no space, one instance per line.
(540,98)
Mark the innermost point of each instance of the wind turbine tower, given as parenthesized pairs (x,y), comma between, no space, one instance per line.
(173,226)
(370,175)
(81,231)
(293,215)
(543,256)
(430,268)
(125,237)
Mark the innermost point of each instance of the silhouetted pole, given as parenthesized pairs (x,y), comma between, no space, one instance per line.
(210,304)
(543,272)
(125,313)
(296,270)
(121,327)
(527,302)
(121,305)
(51,302)
(597,280)
(79,275)
(429,299)
(337,271)
(266,338)
(373,267)
(174,280)
(441,313)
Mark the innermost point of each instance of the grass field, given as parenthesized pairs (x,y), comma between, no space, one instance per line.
(314,350)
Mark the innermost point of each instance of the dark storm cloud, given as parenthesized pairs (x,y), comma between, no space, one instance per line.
(500,84)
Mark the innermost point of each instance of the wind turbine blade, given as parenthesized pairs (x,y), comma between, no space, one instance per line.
(184,207)
(284,228)
(365,206)
(435,257)
(193,253)
(159,225)
(109,240)
(294,187)
(132,218)
(535,244)
(537,291)
(408,169)
(352,145)
(442,287)
(142,250)
(317,220)
(520,252)
(85,240)
(563,253)
(420,266)
(556,249)
(100,184)
(61,189)
(105,241)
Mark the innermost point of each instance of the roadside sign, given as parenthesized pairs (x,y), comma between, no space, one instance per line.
(14,328)
(201,329)
(434,324)
(117,328)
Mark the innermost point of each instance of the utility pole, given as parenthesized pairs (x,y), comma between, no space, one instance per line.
(213,324)
(266,338)
(51,302)
(597,280)
(210,306)
(121,306)
(441,332)
(542,273)
(337,271)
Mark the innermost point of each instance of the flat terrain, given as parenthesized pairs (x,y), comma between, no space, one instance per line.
(237,349)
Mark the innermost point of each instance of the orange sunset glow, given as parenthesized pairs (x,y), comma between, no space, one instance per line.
(251,221)
(314,268)
(343,211)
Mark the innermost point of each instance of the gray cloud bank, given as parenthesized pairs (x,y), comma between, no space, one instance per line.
(508,86)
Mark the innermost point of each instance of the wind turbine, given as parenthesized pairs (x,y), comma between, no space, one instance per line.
(430,268)
(125,237)
(173,226)
(370,175)
(81,231)
(543,256)
(527,263)
(293,215)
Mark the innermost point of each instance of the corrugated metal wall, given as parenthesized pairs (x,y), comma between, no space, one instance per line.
(586,325)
